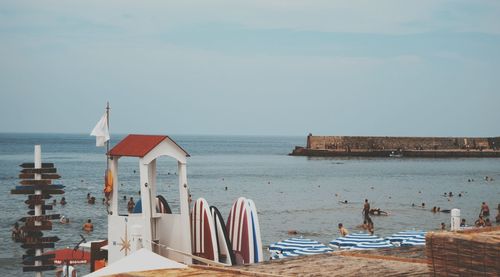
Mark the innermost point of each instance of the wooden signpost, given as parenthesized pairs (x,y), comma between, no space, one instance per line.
(37,182)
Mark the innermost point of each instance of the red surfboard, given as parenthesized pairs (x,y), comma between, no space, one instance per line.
(204,242)
(239,227)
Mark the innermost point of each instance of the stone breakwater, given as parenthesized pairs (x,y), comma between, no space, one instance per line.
(422,147)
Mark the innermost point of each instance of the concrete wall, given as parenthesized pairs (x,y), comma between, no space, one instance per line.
(348,143)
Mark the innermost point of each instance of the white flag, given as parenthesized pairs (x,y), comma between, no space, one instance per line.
(101,131)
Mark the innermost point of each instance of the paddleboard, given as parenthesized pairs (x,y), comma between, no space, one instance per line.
(239,225)
(257,241)
(224,247)
(162,205)
(203,231)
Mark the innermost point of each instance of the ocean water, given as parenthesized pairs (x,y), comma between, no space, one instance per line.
(291,193)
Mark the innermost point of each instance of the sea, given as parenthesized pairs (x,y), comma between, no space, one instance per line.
(300,194)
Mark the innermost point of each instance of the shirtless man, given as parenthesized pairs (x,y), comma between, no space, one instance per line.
(88,226)
(343,231)
(131,205)
(366,209)
(485,210)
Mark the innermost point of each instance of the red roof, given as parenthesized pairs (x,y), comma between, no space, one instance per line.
(138,145)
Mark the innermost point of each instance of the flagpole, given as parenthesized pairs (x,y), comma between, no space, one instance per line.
(107,142)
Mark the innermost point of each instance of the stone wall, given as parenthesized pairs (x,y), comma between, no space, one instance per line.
(353,143)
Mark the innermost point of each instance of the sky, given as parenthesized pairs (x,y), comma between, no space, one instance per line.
(260,67)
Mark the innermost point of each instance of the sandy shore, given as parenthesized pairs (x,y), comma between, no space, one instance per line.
(394,262)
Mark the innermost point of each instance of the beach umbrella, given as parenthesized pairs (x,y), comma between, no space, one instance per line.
(312,251)
(405,235)
(354,239)
(276,255)
(372,245)
(415,241)
(291,244)
(70,256)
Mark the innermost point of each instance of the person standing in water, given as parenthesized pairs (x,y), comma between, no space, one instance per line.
(485,210)
(131,205)
(366,210)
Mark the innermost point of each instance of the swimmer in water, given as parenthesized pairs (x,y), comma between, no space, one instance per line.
(342,230)
(88,226)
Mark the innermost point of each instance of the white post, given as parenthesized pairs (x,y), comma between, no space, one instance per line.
(38,208)
(455,220)
(184,208)
(152,186)
(146,203)
(114,194)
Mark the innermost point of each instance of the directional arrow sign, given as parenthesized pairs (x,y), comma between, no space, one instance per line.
(33,234)
(44,262)
(33,202)
(33,228)
(35,240)
(40,217)
(48,176)
(44,207)
(39,258)
(32,165)
(39,268)
(40,187)
(32,191)
(32,212)
(39,170)
(38,196)
(38,245)
(35,182)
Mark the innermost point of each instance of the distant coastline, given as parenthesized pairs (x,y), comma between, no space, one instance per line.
(415,147)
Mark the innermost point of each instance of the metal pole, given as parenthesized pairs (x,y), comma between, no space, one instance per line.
(107,142)
(38,208)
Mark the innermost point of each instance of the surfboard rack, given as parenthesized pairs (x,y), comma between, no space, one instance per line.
(37,182)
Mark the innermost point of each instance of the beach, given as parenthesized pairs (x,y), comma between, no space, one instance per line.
(291,193)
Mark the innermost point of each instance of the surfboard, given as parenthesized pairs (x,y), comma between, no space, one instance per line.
(239,226)
(203,231)
(162,205)
(257,241)
(224,247)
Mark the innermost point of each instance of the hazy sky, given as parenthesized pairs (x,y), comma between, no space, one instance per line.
(258,67)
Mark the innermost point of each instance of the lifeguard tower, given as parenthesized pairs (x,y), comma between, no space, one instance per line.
(127,233)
